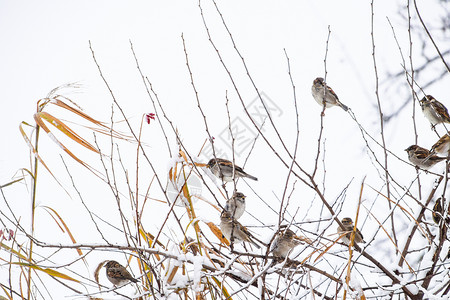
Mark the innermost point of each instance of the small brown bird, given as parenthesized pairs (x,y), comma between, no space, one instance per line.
(434,110)
(223,169)
(230,226)
(442,146)
(422,158)
(329,98)
(117,273)
(348,227)
(437,211)
(285,241)
(236,205)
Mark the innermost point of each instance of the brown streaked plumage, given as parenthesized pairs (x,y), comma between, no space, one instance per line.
(117,274)
(329,97)
(434,110)
(223,169)
(348,227)
(438,212)
(230,226)
(236,205)
(442,146)
(285,241)
(422,158)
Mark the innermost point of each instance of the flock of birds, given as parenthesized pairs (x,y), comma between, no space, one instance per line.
(286,239)
(234,208)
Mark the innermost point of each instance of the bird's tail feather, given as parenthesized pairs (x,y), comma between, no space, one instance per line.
(251,177)
(344,107)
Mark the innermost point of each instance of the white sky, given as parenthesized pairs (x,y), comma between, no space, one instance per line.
(46,44)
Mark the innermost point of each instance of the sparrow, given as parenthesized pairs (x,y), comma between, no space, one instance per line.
(437,211)
(422,158)
(285,241)
(442,146)
(230,226)
(331,99)
(236,205)
(117,273)
(348,227)
(223,169)
(434,110)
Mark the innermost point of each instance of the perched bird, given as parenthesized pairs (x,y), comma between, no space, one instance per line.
(437,211)
(348,227)
(329,97)
(236,205)
(223,169)
(422,158)
(230,226)
(285,241)
(117,273)
(434,110)
(442,146)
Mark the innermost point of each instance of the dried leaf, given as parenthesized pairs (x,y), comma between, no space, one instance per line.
(97,271)
(36,154)
(182,154)
(172,274)
(222,287)
(64,129)
(10,183)
(65,226)
(48,271)
(218,233)
(326,249)
(9,249)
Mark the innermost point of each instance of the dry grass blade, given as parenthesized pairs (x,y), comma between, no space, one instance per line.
(10,183)
(63,128)
(187,195)
(64,225)
(182,154)
(326,249)
(36,154)
(199,164)
(104,129)
(7,294)
(76,111)
(148,273)
(64,148)
(47,271)
(9,249)
(149,238)
(352,240)
(407,212)
(172,274)
(392,241)
(191,211)
(222,288)
(97,271)
(303,239)
(218,233)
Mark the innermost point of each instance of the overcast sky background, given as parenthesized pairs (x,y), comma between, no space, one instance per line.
(45,44)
